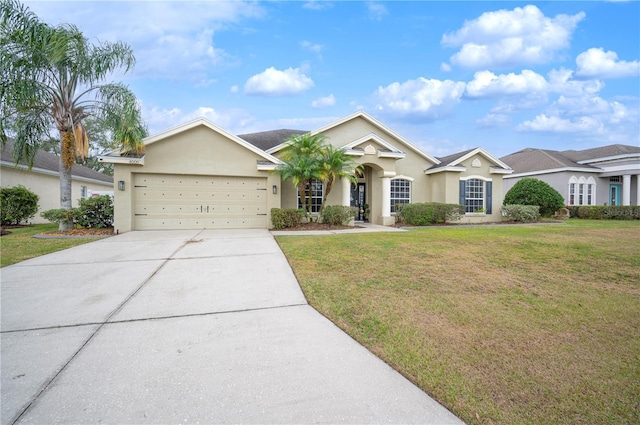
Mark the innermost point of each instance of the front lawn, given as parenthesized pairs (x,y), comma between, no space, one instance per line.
(20,244)
(501,324)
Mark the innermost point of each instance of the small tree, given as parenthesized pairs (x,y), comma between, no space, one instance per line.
(531,191)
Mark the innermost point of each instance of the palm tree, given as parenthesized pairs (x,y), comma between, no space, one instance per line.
(301,163)
(52,78)
(334,165)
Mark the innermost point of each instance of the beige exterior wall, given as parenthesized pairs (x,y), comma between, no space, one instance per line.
(196,151)
(46,185)
(376,167)
(449,183)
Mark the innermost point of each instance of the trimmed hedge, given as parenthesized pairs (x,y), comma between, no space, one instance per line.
(17,204)
(338,215)
(609,212)
(284,218)
(522,213)
(423,214)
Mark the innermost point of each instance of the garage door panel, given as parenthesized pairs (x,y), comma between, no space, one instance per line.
(196,202)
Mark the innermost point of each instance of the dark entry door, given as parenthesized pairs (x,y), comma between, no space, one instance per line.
(359,199)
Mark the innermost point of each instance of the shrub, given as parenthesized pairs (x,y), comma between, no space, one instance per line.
(522,213)
(573,211)
(423,214)
(95,212)
(530,191)
(338,215)
(17,204)
(284,218)
(609,212)
(57,215)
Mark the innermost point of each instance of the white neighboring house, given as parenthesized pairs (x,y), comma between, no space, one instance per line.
(44,180)
(607,175)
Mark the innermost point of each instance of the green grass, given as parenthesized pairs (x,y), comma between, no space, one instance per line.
(501,324)
(20,245)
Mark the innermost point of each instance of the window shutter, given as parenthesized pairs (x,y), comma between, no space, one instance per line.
(489,197)
(462,194)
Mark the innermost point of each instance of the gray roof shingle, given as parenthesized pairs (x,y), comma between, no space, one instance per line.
(268,139)
(50,162)
(532,159)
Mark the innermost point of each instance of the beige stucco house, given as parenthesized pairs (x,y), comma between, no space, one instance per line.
(198,175)
(43,178)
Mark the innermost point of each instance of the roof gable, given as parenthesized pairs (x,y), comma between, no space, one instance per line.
(454,162)
(375,123)
(203,122)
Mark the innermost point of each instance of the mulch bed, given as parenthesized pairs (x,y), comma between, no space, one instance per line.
(80,232)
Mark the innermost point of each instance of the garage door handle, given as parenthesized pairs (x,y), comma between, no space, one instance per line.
(200,208)
(207,208)
(139,214)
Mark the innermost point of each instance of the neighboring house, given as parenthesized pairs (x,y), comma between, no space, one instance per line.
(200,176)
(44,179)
(607,175)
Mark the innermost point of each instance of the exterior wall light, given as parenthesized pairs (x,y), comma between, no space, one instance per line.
(275,189)
(120,184)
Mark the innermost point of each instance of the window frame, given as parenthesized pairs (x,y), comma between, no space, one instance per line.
(316,198)
(405,190)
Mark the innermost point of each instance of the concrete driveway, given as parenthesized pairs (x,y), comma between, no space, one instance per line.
(185,327)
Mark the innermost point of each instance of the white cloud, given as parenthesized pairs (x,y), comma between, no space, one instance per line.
(324,102)
(161,119)
(273,82)
(589,116)
(376,11)
(445,67)
(596,63)
(488,84)
(561,81)
(430,99)
(313,47)
(555,124)
(510,37)
(494,120)
(172,40)
(318,5)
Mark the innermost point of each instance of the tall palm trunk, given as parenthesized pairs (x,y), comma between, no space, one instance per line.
(67,159)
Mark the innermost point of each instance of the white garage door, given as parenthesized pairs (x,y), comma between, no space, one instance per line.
(164,201)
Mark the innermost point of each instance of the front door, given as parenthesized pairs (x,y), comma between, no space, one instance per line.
(359,200)
(614,194)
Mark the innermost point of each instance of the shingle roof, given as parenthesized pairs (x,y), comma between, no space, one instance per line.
(447,160)
(268,139)
(532,159)
(50,162)
(600,152)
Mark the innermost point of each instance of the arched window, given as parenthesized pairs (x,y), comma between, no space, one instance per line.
(572,190)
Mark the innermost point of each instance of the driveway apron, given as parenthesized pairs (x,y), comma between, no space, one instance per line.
(197,326)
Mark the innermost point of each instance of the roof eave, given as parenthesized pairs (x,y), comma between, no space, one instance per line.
(456,169)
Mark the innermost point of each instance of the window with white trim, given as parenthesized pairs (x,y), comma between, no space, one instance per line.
(572,193)
(474,195)
(316,193)
(582,191)
(400,193)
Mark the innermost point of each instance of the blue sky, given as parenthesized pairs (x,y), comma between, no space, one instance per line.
(448,76)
